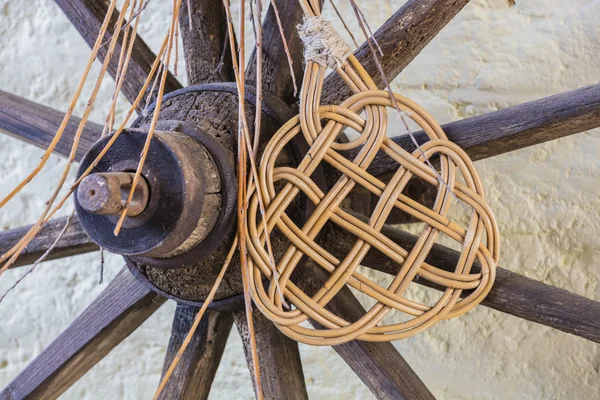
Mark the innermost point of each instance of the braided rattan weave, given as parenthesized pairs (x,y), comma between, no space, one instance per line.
(320,125)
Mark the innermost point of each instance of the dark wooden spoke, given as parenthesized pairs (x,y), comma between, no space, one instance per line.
(495,133)
(512,293)
(74,241)
(193,376)
(277,78)
(87,17)
(379,365)
(401,38)
(280,365)
(37,124)
(114,315)
(205,44)
(514,127)
(535,301)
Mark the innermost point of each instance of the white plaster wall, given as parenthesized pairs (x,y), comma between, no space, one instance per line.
(545,199)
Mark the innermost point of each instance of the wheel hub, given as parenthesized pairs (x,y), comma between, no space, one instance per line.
(184,202)
(179,239)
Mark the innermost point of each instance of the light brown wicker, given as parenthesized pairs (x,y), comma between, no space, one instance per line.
(320,125)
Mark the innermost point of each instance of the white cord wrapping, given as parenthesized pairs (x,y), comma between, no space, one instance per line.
(322,43)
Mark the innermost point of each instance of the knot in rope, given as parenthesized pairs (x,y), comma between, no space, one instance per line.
(322,43)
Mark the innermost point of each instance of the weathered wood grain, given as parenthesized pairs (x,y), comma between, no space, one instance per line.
(75,241)
(87,17)
(280,365)
(514,127)
(37,124)
(114,315)
(193,376)
(512,293)
(277,78)
(205,43)
(401,38)
(379,365)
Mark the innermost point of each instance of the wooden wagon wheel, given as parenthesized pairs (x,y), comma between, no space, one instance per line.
(203,112)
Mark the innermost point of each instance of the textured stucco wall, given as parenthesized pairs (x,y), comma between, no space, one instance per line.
(546,200)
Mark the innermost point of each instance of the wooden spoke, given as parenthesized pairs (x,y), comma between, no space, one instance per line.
(277,78)
(401,38)
(87,16)
(114,315)
(205,43)
(512,293)
(193,376)
(492,134)
(280,365)
(379,365)
(37,124)
(514,127)
(75,241)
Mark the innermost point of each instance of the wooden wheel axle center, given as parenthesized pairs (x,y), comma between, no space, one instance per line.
(106,194)
(175,206)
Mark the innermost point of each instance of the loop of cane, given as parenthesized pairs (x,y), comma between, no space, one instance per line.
(320,126)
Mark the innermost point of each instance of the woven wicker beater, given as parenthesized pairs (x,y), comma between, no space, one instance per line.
(320,126)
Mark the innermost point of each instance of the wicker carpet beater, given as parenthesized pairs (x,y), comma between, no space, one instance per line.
(284,302)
